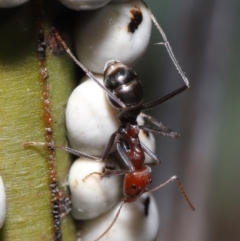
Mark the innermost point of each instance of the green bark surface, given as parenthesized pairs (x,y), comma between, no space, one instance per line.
(25,170)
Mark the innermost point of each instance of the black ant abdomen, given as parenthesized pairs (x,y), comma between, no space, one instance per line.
(123,82)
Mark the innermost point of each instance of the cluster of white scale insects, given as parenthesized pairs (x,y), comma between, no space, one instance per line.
(101,36)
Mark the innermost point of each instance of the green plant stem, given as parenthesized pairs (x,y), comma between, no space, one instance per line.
(25,171)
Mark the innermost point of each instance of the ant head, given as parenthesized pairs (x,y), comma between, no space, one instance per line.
(123,82)
(136,183)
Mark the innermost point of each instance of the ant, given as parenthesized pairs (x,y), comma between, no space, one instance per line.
(125,93)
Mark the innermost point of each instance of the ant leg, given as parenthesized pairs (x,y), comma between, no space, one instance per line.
(173,58)
(175,178)
(109,144)
(151,154)
(114,220)
(65,148)
(162,132)
(164,98)
(88,73)
(122,150)
(107,172)
(155,122)
(169,49)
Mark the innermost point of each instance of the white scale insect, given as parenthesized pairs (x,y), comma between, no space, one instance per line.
(11,3)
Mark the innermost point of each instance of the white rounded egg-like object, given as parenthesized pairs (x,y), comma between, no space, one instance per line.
(96,194)
(2,203)
(118,31)
(90,119)
(84,4)
(11,3)
(138,220)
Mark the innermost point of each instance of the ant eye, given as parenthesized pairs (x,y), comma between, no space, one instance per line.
(134,187)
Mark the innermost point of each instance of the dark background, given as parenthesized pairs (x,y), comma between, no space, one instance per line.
(205,37)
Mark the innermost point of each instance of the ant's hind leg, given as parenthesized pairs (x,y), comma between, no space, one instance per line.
(175,178)
(163,132)
(159,125)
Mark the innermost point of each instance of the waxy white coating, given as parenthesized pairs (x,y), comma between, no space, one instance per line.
(84,4)
(103,34)
(95,195)
(131,225)
(11,3)
(90,119)
(2,203)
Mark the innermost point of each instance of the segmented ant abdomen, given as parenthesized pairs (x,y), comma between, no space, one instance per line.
(137,182)
(123,82)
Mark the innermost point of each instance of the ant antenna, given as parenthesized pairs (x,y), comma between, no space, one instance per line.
(169,49)
(180,186)
(114,220)
(151,190)
(51,145)
(88,73)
